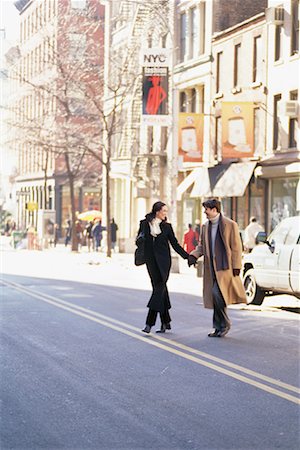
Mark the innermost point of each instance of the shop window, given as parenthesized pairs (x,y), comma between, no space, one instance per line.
(257,200)
(227,206)
(283,200)
(241,211)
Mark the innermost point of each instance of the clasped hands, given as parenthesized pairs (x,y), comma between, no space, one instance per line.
(192,260)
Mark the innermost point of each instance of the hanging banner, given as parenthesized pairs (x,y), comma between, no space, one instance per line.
(237,129)
(190,140)
(155,62)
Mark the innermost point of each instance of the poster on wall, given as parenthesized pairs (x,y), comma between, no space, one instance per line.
(155,64)
(190,140)
(237,130)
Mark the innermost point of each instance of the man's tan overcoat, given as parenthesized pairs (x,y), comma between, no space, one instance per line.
(231,286)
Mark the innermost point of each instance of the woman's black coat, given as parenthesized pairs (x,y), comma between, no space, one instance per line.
(158,261)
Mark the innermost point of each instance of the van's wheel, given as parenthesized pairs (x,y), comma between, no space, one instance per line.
(254,294)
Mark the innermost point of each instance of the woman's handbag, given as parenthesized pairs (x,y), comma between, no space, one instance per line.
(139,254)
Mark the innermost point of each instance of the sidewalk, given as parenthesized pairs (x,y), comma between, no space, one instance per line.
(119,270)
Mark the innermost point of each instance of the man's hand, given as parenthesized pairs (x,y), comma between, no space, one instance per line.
(236,272)
(192,260)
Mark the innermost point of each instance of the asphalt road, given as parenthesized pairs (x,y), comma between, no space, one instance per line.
(77,373)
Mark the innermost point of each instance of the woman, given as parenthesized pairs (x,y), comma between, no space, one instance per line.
(158,233)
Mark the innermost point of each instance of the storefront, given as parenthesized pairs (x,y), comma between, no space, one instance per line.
(283,187)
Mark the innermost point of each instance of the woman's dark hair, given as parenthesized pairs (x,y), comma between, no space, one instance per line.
(157,206)
(212,203)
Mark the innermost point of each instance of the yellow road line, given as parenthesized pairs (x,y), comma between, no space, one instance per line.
(89,315)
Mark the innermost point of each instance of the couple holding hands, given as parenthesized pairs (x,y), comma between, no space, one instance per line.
(221,246)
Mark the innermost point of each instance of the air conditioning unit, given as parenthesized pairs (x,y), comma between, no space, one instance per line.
(288,108)
(275,15)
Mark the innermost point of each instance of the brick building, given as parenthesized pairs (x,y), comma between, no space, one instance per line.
(61,62)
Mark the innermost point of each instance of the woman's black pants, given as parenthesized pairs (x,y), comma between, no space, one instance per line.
(152,315)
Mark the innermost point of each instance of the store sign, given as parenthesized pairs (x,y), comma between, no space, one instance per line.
(237,130)
(190,137)
(155,63)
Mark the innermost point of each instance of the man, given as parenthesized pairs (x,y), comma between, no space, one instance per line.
(221,246)
(250,234)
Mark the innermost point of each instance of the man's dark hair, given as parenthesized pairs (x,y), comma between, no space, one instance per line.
(212,203)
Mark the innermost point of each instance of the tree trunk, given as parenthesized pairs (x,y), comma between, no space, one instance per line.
(107,167)
(74,240)
(46,204)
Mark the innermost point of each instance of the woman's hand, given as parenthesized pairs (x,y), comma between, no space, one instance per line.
(192,260)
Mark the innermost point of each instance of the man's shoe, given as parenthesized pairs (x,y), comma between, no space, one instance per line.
(168,326)
(214,333)
(223,332)
(162,328)
(147,329)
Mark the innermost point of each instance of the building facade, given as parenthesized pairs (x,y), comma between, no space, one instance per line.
(56,37)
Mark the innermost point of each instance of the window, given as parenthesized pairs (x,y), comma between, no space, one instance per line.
(163,139)
(218,71)
(278,42)
(218,138)
(193,100)
(77,43)
(182,36)
(293,124)
(202,28)
(194,33)
(257,59)
(164,40)
(295,28)
(283,199)
(257,131)
(237,65)
(182,102)
(277,99)
(150,139)
(78,4)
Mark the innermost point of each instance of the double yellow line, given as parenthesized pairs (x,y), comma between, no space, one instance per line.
(220,365)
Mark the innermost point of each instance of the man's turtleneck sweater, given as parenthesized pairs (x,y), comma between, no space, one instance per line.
(214,228)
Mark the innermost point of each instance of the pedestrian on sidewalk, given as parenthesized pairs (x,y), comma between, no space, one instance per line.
(113,233)
(221,246)
(189,239)
(97,234)
(250,234)
(158,234)
(68,232)
(89,235)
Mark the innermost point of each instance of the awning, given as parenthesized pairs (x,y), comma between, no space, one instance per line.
(235,180)
(188,181)
(223,180)
(204,184)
